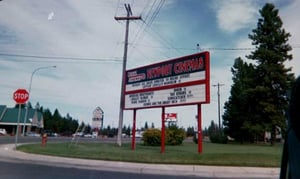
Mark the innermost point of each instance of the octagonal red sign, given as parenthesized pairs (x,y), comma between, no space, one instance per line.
(21,96)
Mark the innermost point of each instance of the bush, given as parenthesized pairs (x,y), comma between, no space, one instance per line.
(152,137)
(218,137)
(195,139)
(175,135)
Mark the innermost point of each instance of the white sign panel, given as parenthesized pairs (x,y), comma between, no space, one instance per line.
(167,97)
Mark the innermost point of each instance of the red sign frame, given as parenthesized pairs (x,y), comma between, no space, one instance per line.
(181,81)
(176,82)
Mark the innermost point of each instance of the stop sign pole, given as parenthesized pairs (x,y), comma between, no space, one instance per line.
(20,96)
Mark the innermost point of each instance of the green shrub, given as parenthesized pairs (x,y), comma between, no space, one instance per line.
(195,138)
(175,135)
(152,137)
(218,137)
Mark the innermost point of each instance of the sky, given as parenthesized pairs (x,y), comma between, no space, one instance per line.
(86,44)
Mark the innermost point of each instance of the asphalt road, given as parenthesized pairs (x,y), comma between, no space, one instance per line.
(12,170)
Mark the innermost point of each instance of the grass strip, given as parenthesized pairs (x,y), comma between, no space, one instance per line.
(213,154)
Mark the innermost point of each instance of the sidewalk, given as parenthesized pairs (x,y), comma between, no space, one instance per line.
(7,153)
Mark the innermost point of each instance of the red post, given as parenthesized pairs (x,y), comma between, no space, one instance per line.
(199,130)
(44,140)
(133,130)
(162,148)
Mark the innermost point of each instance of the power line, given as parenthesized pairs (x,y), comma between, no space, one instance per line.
(203,48)
(138,36)
(61,58)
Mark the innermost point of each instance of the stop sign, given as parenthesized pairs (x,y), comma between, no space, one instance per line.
(21,96)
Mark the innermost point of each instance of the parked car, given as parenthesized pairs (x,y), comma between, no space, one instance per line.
(50,133)
(79,134)
(3,132)
(33,134)
(88,135)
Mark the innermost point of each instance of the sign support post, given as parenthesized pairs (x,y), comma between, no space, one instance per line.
(199,130)
(162,148)
(17,130)
(20,96)
(133,130)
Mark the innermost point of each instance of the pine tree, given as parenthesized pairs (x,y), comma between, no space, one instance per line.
(271,52)
(258,96)
(238,116)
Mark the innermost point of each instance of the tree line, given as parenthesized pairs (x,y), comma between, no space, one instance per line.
(59,124)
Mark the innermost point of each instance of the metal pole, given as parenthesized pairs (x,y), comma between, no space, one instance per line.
(17,130)
(133,130)
(29,89)
(163,128)
(199,129)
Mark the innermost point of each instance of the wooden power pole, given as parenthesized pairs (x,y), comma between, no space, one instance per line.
(219,113)
(122,102)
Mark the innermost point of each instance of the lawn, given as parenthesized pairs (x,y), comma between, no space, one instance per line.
(213,154)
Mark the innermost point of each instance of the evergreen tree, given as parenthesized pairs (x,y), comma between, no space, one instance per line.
(238,117)
(152,125)
(128,130)
(48,120)
(190,131)
(271,52)
(146,126)
(258,95)
(57,121)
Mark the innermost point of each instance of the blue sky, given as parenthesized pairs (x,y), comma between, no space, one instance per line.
(91,42)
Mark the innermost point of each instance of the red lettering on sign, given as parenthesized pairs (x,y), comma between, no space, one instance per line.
(189,65)
(159,71)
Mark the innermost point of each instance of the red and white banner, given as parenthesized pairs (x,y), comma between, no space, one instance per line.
(171,117)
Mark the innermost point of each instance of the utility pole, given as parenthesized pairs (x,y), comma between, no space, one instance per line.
(122,102)
(219,115)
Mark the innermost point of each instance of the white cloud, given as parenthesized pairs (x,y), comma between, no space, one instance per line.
(290,17)
(233,15)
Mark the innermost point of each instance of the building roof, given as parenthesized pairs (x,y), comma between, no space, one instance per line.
(9,116)
(2,110)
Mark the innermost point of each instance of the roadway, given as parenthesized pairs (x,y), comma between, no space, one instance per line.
(17,170)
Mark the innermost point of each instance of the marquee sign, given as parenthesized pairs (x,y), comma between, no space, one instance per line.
(181,81)
(97,120)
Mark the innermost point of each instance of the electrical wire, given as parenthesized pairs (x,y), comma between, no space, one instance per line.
(57,58)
